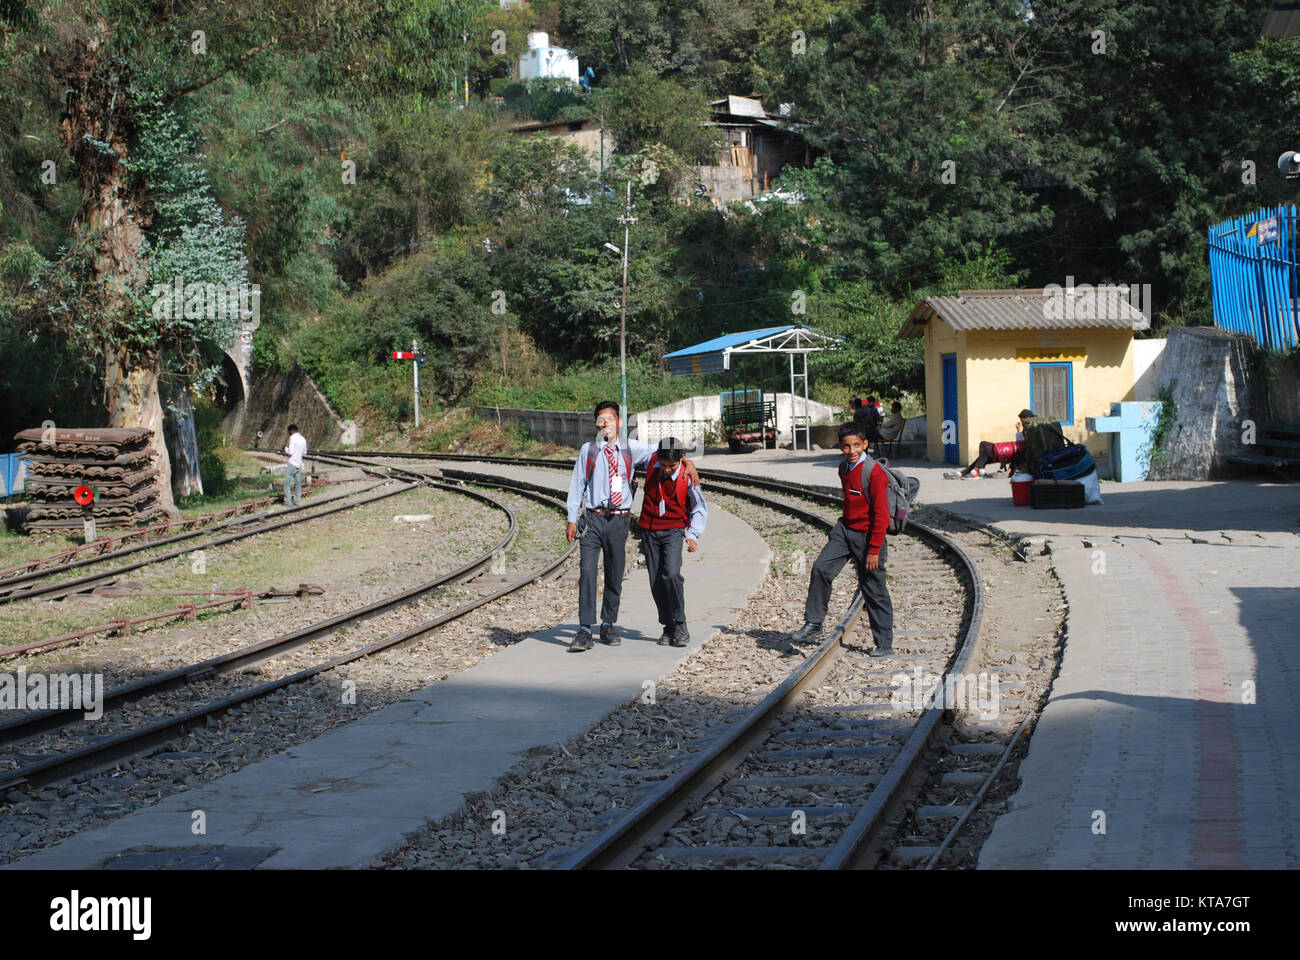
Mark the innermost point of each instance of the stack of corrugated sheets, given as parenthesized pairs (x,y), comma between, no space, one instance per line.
(117,461)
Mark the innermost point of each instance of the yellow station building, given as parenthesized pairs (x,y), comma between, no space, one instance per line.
(1065,352)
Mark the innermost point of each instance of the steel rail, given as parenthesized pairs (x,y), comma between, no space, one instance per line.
(132,544)
(645,823)
(621,842)
(131,743)
(28,725)
(120,541)
(77,585)
(240,599)
(810,491)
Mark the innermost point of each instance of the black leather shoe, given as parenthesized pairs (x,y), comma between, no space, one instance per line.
(808,633)
(582,642)
(881,652)
(609,636)
(681,636)
(667,638)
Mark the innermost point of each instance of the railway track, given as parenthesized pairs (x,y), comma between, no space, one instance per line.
(859,748)
(138,538)
(46,583)
(105,751)
(866,750)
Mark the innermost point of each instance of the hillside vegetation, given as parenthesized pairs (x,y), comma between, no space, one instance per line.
(328,154)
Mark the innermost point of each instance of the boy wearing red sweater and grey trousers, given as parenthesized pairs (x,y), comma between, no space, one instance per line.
(860,534)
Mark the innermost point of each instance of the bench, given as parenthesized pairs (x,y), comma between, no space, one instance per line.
(744,423)
(1275,436)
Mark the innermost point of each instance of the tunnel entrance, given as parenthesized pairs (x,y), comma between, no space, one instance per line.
(229,387)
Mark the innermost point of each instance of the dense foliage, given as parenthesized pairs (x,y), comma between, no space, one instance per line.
(349,159)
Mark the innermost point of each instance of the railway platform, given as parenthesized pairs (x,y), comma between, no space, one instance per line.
(341,799)
(1167,738)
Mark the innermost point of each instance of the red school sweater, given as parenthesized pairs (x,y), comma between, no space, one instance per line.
(869,512)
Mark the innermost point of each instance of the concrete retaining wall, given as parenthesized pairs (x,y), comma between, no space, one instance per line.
(1284,396)
(546,426)
(1213,373)
(575,429)
(709,407)
(276,401)
(1146,367)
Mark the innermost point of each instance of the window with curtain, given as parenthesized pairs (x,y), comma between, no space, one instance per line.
(1051,391)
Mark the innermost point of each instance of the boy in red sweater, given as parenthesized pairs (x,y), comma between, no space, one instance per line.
(860,534)
(672,512)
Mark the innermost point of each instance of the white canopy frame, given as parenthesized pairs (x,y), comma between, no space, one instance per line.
(797,341)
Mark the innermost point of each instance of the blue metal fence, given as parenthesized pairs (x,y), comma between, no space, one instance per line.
(12,474)
(1254,276)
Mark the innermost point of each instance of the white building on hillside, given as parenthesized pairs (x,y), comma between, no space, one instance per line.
(544,60)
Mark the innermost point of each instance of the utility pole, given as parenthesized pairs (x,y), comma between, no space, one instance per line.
(627,220)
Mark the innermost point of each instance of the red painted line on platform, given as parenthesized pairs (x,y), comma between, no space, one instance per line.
(1216,829)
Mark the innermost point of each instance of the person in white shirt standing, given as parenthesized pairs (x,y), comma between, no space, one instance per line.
(296,448)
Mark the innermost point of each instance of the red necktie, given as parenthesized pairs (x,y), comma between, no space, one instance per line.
(615,498)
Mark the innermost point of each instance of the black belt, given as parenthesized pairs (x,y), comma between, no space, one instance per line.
(610,513)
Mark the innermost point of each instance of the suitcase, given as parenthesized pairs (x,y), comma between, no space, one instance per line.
(1056,494)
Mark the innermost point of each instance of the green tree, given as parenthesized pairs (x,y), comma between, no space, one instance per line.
(901,96)
(418,176)
(125,72)
(654,110)
(705,44)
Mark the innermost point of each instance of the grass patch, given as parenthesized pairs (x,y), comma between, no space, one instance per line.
(283,558)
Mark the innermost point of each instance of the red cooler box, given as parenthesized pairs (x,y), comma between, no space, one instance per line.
(1020,492)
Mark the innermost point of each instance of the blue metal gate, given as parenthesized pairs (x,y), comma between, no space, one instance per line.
(1254,270)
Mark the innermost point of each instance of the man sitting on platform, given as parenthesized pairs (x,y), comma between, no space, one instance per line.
(893,425)
(1004,453)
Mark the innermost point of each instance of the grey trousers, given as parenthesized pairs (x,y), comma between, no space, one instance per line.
(845,544)
(663,558)
(608,536)
(292,480)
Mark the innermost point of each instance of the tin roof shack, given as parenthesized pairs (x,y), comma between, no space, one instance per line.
(1062,352)
(753,147)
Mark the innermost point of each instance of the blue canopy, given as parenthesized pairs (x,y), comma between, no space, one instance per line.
(714,356)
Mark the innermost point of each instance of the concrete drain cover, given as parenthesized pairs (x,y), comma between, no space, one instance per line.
(192,858)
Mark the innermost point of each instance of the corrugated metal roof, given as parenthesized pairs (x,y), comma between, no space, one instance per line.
(740,106)
(1067,308)
(713,356)
(1283,20)
(729,340)
(107,435)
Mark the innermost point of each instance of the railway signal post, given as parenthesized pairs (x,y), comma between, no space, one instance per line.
(418,356)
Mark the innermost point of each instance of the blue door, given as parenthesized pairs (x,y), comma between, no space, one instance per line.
(949,407)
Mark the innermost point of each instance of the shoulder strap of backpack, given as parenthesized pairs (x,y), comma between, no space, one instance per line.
(591,461)
(868,465)
(683,491)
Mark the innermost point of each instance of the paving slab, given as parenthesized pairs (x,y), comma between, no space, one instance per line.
(349,795)
(1166,742)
